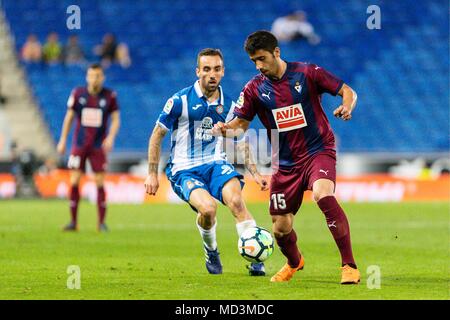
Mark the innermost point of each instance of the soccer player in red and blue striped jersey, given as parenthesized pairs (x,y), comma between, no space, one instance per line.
(286,96)
(91,106)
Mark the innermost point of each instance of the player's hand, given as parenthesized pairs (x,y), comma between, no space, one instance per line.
(151,184)
(259,179)
(61,147)
(108,144)
(219,129)
(343,112)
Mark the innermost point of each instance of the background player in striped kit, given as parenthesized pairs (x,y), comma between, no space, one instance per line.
(92,107)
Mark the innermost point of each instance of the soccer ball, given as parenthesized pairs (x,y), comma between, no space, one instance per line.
(255,244)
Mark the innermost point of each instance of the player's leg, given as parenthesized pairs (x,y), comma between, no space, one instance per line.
(206,207)
(232,198)
(323,178)
(323,192)
(76,164)
(101,201)
(190,187)
(286,196)
(74,198)
(97,158)
(225,184)
(286,238)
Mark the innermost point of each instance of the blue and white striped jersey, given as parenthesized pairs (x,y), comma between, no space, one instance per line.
(190,117)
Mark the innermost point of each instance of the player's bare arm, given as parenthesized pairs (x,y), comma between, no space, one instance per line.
(349,97)
(154,152)
(234,128)
(108,143)
(67,124)
(243,148)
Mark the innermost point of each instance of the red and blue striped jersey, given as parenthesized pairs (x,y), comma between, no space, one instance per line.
(92,113)
(291,109)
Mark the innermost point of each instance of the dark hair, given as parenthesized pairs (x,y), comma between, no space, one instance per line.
(260,40)
(95,66)
(209,52)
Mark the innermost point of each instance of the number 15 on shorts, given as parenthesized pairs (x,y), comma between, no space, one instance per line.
(278,201)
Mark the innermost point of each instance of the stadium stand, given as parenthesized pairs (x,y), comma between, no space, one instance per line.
(400,72)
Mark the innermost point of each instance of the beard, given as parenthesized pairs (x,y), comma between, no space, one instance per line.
(211,87)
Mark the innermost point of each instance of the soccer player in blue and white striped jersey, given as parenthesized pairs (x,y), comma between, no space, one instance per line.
(198,169)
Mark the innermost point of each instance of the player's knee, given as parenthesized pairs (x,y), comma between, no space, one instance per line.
(322,193)
(236,204)
(280,227)
(99,180)
(281,232)
(75,180)
(208,209)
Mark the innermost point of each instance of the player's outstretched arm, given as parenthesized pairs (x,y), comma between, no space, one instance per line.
(243,147)
(349,97)
(108,143)
(154,153)
(67,124)
(231,129)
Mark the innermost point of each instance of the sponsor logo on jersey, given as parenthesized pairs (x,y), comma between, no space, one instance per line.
(169,105)
(91,117)
(240,101)
(289,118)
(203,132)
(219,109)
(266,95)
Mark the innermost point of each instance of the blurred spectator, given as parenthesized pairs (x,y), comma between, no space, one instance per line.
(107,50)
(50,164)
(15,165)
(31,50)
(294,26)
(72,52)
(52,49)
(123,55)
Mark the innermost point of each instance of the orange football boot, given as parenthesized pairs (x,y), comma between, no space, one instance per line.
(286,273)
(350,275)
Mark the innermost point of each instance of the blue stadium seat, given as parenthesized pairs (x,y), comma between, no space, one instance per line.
(399,73)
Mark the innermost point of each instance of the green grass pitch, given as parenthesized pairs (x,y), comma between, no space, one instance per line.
(155,252)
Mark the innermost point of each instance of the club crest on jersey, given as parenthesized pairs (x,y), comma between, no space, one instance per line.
(203,132)
(289,118)
(298,87)
(169,105)
(219,109)
(102,103)
(82,101)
